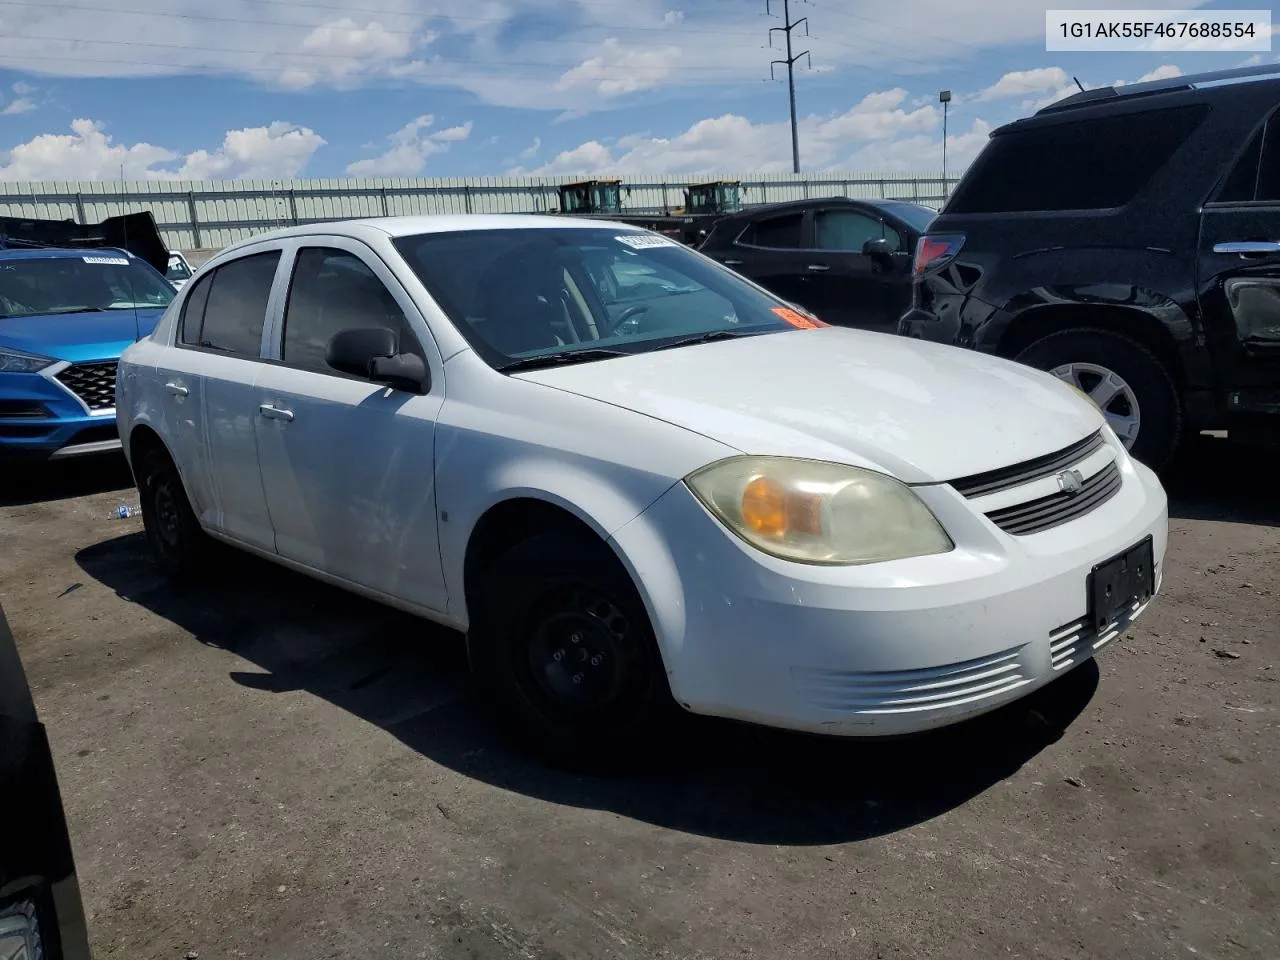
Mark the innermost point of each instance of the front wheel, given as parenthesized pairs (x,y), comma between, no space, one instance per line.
(561,641)
(1129,384)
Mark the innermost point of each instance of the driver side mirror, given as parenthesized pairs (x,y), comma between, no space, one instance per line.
(373,353)
(879,247)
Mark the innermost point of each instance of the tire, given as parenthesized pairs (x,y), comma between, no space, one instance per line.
(179,545)
(550,600)
(1159,404)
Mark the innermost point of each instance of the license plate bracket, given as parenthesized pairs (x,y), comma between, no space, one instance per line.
(1118,583)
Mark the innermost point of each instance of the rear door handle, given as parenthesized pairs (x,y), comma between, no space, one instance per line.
(177,389)
(1247,248)
(275,413)
(732,263)
(818,267)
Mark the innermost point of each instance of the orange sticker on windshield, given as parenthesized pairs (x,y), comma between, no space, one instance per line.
(798,319)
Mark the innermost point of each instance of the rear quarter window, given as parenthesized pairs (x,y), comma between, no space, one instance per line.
(1083,165)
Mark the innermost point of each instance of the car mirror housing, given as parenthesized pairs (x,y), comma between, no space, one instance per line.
(374,353)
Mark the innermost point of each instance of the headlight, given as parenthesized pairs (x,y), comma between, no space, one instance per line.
(15,361)
(811,511)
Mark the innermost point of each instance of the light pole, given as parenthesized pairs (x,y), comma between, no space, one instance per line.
(944,98)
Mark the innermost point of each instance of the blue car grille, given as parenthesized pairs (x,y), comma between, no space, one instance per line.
(93,383)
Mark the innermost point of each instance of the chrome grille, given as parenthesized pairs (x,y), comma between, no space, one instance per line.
(1056,509)
(93,383)
(1006,478)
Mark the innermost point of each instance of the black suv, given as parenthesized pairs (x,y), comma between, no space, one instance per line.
(1128,241)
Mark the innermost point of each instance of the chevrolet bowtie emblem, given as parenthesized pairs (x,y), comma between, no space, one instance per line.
(1071,482)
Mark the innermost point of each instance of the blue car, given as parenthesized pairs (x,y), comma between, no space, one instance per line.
(66,315)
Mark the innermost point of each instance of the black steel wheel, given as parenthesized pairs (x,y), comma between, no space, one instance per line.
(562,643)
(178,544)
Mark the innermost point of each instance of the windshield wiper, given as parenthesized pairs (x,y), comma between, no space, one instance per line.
(50,313)
(555,359)
(711,336)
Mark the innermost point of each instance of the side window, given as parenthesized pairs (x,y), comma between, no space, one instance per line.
(333,290)
(1074,164)
(1255,178)
(193,311)
(848,231)
(236,305)
(779,232)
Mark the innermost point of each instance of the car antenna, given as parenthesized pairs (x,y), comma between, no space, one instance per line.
(1078,84)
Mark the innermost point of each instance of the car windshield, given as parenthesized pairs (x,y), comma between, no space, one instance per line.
(914,214)
(552,293)
(178,269)
(38,286)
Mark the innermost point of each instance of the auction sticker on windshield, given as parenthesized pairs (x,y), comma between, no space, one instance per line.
(112,261)
(798,319)
(641,241)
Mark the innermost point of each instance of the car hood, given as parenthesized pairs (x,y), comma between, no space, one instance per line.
(924,412)
(78,336)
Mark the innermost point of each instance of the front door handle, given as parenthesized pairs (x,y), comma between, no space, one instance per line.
(1248,248)
(732,263)
(818,267)
(275,413)
(177,389)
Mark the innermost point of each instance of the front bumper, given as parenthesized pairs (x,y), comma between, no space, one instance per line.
(882,649)
(42,416)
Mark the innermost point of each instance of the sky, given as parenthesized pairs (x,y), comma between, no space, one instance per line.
(281,89)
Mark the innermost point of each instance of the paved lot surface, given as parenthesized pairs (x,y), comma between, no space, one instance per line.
(266,767)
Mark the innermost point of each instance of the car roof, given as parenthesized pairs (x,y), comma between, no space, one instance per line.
(407,226)
(1188,88)
(61,253)
(884,205)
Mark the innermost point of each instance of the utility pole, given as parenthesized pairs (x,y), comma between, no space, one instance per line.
(790,64)
(944,98)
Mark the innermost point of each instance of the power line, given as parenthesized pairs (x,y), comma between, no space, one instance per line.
(790,62)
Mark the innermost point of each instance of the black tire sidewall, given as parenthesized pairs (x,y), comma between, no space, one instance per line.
(1159,403)
(506,601)
(185,558)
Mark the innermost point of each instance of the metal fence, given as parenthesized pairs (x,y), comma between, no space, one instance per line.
(214,213)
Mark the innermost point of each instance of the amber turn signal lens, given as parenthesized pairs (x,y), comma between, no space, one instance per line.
(770,510)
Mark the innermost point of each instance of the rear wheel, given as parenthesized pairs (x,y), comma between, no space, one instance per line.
(180,547)
(1129,383)
(561,642)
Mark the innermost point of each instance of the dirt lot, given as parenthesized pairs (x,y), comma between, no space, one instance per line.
(266,767)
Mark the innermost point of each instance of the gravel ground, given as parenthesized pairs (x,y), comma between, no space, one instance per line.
(266,767)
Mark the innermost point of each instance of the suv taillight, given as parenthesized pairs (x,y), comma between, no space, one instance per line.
(934,251)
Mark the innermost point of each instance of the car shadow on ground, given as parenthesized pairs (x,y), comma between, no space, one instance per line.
(1217,479)
(38,481)
(724,780)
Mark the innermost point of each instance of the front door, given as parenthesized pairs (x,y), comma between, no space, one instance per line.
(1239,275)
(850,287)
(348,464)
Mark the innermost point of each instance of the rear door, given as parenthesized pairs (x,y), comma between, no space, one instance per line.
(1239,273)
(207,383)
(770,251)
(851,288)
(348,464)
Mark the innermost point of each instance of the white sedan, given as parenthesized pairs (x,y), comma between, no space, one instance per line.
(636,479)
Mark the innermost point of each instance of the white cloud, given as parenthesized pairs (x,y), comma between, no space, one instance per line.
(1163,72)
(19,105)
(474,45)
(280,150)
(531,151)
(408,149)
(22,102)
(618,69)
(1020,83)
(1166,72)
(883,131)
